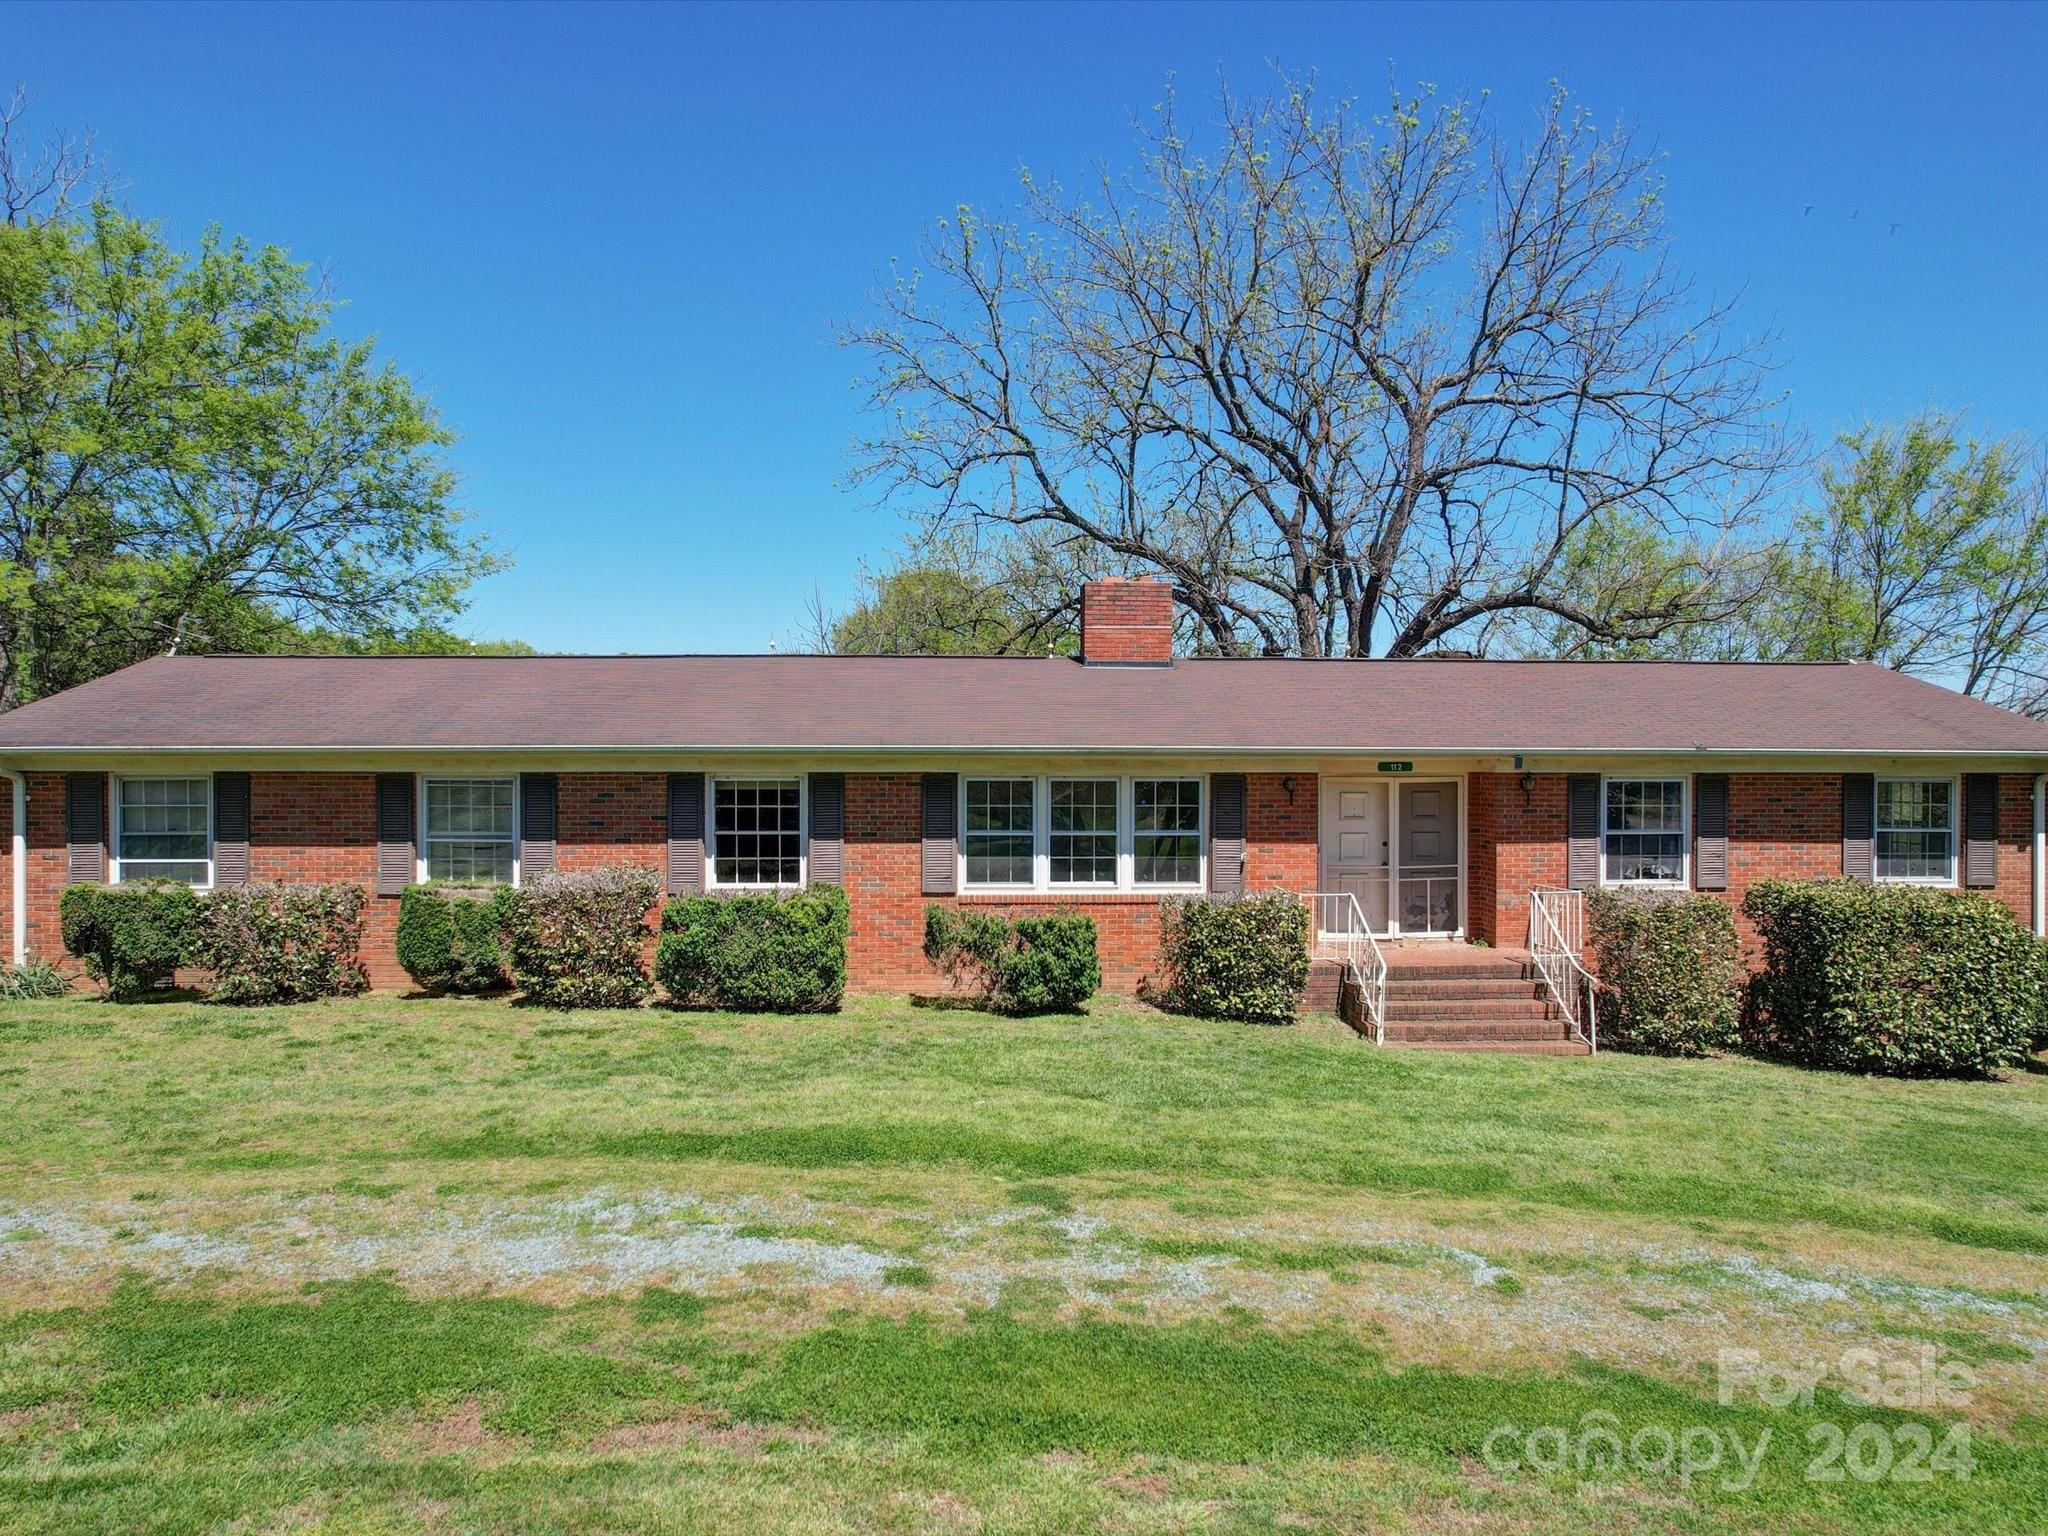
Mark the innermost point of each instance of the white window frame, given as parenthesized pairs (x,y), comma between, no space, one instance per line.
(1041,857)
(1955,817)
(420,814)
(1041,883)
(1127,863)
(802,781)
(115,873)
(1684,783)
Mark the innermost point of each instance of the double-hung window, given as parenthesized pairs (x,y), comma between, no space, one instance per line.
(1082,836)
(471,830)
(757,832)
(1059,833)
(1916,829)
(1645,832)
(999,836)
(1166,831)
(163,830)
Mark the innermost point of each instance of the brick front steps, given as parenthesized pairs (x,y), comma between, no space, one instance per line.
(1450,997)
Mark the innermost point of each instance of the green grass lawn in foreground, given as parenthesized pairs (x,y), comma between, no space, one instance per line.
(439,1266)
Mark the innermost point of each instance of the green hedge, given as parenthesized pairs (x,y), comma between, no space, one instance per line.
(451,938)
(1670,970)
(1030,965)
(578,941)
(1900,980)
(761,952)
(282,943)
(1245,958)
(130,937)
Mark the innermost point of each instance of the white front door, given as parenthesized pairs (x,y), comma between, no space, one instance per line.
(1355,849)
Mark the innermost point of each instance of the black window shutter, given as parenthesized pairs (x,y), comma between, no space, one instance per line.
(939,854)
(685,833)
(1582,831)
(538,803)
(85,828)
(1859,825)
(231,829)
(1980,831)
(1710,831)
(1226,833)
(397,853)
(828,829)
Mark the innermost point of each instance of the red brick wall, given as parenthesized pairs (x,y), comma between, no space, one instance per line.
(1780,826)
(1514,842)
(48,862)
(322,826)
(886,951)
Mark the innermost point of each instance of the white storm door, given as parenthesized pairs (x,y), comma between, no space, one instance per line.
(1355,846)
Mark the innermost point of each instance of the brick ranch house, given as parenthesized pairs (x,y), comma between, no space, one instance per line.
(1436,793)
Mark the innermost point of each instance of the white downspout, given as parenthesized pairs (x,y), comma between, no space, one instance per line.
(2041,856)
(18,863)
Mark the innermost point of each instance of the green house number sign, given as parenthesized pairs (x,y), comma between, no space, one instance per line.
(1397,767)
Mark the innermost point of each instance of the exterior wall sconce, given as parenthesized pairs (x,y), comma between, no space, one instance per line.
(1287,783)
(1528,790)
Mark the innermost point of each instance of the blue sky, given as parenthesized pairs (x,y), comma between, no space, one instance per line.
(612,241)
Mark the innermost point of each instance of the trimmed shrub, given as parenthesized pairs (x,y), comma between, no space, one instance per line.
(269,943)
(1242,958)
(1031,965)
(2037,1035)
(1670,971)
(130,937)
(758,951)
(1899,980)
(578,941)
(31,981)
(451,938)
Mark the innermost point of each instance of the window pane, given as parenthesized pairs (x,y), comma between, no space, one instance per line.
(1166,840)
(757,832)
(187,872)
(481,863)
(1003,860)
(163,826)
(997,838)
(999,805)
(1918,803)
(472,830)
(1646,805)
(1645,822)
(475,808)
(1083,831)
(1915,833)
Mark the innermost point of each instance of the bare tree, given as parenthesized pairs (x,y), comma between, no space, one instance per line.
(40,182)
(1355,387)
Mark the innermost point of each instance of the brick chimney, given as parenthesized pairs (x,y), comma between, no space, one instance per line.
(1127,623)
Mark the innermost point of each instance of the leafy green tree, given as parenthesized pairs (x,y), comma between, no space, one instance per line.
(952,597)
(190,459)
(1927,552)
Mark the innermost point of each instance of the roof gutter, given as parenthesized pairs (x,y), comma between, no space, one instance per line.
(17,906)
(991,749)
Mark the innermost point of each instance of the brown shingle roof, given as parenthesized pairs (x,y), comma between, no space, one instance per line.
(941,703)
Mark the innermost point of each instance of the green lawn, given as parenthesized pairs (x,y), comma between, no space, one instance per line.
(402,1265)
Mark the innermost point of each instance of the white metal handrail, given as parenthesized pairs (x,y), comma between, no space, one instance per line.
(1364,962)
(1557,937)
